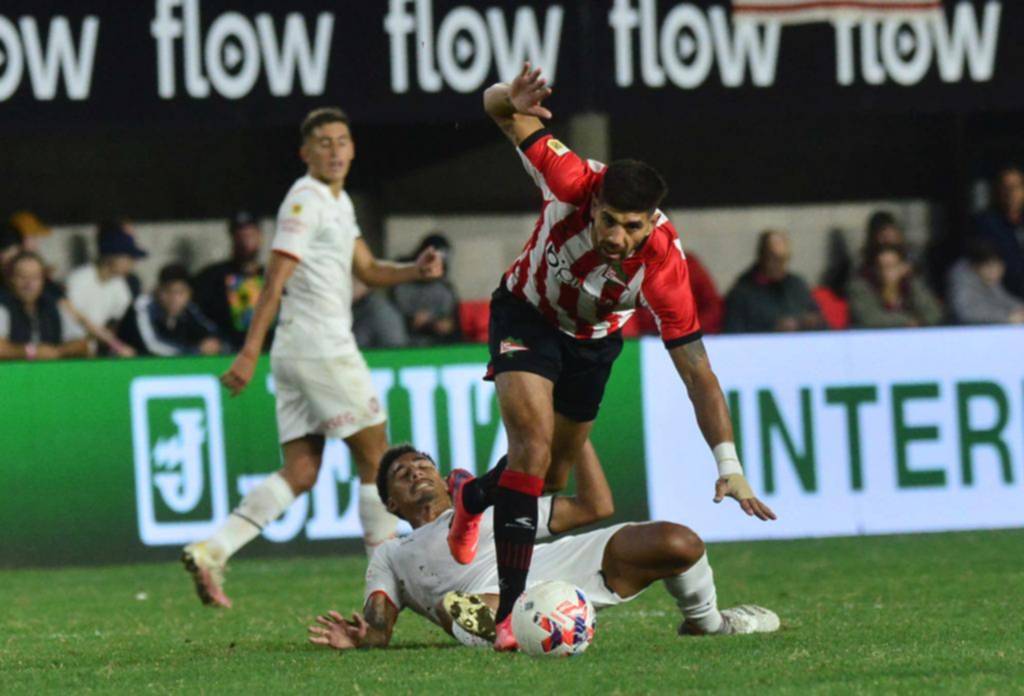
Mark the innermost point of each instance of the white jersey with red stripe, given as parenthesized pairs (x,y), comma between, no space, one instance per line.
(561,273)
(319,230)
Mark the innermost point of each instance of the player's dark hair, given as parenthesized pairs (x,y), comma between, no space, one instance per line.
(389,458)
(632,186)
(319,117)
(173,273)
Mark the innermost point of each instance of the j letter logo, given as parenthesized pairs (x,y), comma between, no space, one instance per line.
(180,477)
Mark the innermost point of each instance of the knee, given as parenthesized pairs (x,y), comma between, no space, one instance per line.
(680,545)
(301,476)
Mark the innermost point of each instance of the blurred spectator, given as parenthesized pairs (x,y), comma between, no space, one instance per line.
(10,245)
(21,234)
(167,322)
(375,321)
(976,293)
(1003,226)
(227,291)
(888,293)
(29,228)
(32,325)
(430,306)
(99,291)
(767,297)
(882,230)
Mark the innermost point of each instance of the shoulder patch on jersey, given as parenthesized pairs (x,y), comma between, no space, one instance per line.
(296,209)
(557,147)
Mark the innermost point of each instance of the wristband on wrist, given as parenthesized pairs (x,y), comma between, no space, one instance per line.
(727,459)
(31,349)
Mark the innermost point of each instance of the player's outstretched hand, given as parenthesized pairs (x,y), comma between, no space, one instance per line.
(430,264)
(736,486)
(528,90)
(334,631)
(239,374)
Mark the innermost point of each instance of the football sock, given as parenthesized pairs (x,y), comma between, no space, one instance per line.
(694,592)
(379,525)
(478,494)
(260,507)
(515,530)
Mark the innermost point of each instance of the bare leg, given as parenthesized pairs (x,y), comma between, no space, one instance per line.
(568,445)
(368,447)
(641,554)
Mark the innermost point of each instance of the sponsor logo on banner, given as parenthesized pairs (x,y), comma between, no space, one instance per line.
(901,43)
(47,56)
(178,441)
(468,44)
(862,432)
(183,473)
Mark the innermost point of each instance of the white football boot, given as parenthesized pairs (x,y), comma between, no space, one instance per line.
(206,567)
(746,618)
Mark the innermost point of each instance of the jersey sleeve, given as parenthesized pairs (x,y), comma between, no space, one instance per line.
(381,577)
(297,222)
(666,292)
(558,171)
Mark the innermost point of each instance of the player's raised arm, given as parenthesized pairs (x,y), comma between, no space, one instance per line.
(279,270)
(378,273)
(692,364)
(371,629)
(516,106)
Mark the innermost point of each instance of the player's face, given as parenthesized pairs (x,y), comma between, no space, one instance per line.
(174,297)
(27,279)
(616,233)
(328,152)
(414,481)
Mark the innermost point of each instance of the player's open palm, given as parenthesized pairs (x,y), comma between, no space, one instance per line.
(528,90)
(334,631)
(736,486)
(239,374)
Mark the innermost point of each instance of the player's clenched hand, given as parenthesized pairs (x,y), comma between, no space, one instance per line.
(528,90)
(336,632)
(239,374)
(736,486)
(430,263)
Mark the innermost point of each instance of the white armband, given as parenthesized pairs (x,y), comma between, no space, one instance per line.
(727,459)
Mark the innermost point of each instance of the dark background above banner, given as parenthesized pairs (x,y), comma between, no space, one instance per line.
(224,63)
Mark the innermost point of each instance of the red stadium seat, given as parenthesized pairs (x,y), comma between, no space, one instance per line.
(834,309)
(474,316)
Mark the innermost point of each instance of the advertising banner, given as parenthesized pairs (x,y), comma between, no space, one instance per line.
(108,461)
(227,63)
(866,432)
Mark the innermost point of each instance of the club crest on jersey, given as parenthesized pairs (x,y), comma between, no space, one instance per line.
(296,209)
(511,345)
(557,147)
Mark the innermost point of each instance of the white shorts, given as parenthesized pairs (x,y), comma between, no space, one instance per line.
(576,559)
(334,397)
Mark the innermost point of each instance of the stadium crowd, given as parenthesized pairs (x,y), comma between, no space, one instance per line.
(100,308)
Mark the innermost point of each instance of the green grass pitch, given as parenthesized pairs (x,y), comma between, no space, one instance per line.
(939,613)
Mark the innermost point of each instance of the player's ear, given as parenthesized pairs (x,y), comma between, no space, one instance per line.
(392,507)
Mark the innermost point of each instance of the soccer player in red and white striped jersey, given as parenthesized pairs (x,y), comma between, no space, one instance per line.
(600,247)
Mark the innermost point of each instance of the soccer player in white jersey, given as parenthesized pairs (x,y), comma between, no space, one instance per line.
(610,565)
(600,247)
(323,386)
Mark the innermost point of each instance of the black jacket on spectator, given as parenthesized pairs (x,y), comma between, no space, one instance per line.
(148,329)
(1008,240)
(228,297)
(44,327)
(756,305)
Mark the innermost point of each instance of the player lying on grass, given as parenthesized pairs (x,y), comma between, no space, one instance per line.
(611,565)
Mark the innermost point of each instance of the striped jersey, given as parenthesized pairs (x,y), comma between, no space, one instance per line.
(569,282)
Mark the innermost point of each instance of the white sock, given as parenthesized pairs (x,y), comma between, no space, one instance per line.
(695,595)
(260,507)
(379,525)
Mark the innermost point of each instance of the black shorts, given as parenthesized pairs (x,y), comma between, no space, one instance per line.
(521,340)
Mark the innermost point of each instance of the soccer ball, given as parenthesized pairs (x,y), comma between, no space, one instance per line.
(553,618)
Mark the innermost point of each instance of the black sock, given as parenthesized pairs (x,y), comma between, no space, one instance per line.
(515,530)
(478,494)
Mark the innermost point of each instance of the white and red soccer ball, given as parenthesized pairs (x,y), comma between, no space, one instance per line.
(553,619)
